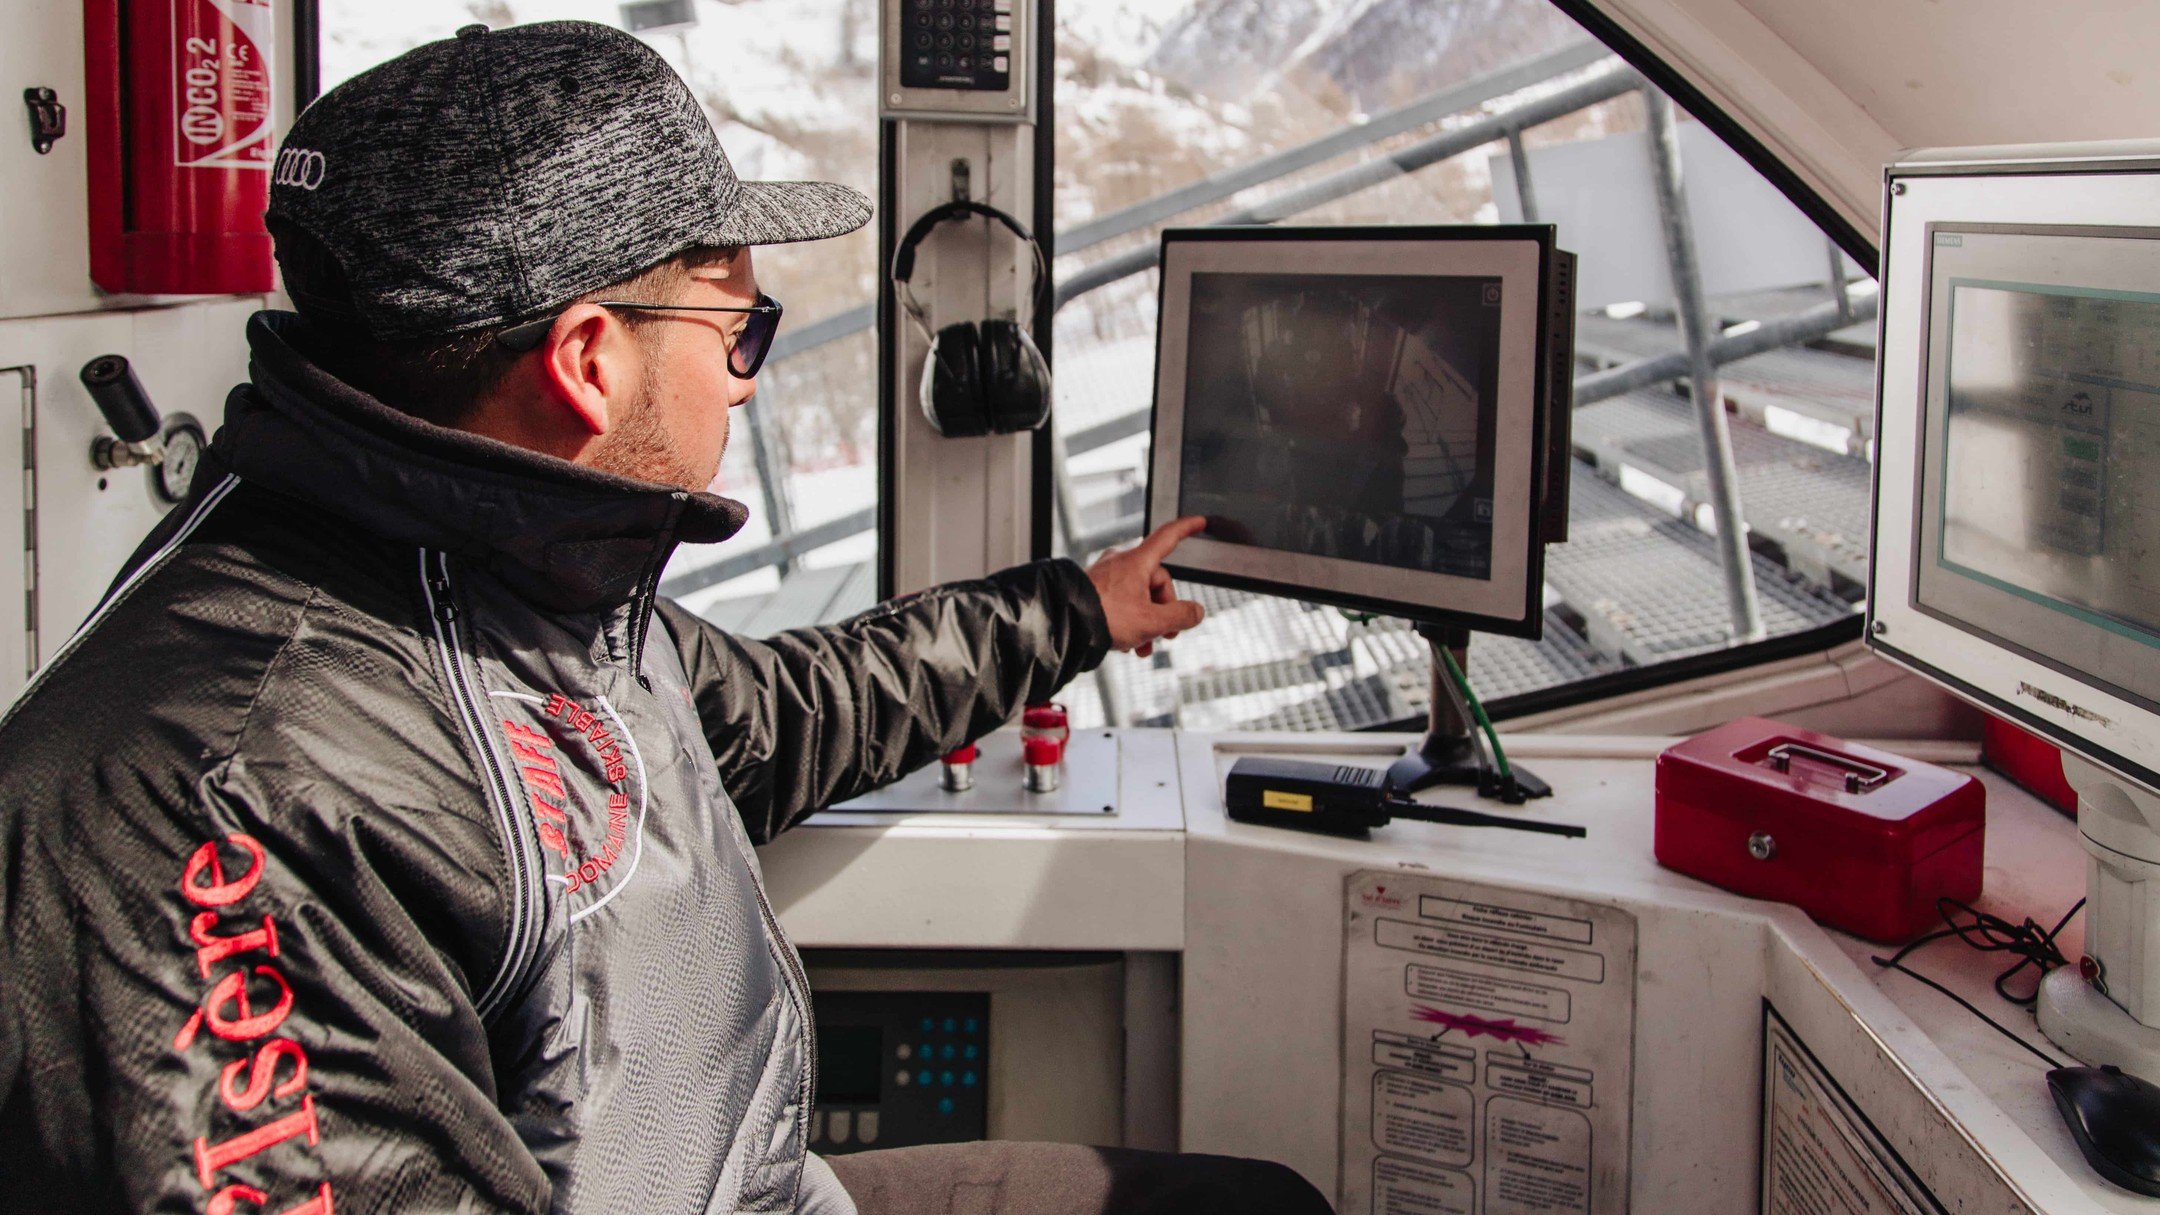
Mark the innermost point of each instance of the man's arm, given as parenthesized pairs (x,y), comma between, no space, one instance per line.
(819,715)
(262,1007)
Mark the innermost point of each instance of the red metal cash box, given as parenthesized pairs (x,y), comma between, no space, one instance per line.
(1860,839)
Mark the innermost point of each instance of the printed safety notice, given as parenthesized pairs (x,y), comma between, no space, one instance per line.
(1488,1050)
(1820,1154)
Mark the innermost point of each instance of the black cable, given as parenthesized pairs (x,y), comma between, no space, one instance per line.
(2032,945)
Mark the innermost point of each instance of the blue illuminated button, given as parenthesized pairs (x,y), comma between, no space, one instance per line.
(945,1078)
(922,1078)
(967,1080)
(945,1105)
(946,1052)
(928,1025)
(926,1051)
(971,1026)
(950,1025)
(968,1051)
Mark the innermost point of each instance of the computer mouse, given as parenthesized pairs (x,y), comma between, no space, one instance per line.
(2115,1118)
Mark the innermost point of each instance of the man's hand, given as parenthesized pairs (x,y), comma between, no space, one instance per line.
(1137,599)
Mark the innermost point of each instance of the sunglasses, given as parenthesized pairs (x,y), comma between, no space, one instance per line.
(745,356)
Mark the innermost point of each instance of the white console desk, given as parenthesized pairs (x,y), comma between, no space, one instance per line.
(1257,917)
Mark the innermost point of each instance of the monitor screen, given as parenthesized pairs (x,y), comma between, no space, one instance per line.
(1358,414)
(2040,511)
(1345,415)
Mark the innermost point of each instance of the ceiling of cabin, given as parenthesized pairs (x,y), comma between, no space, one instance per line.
(1944,72)
(1837,87)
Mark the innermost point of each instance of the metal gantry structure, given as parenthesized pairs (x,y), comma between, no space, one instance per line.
(1496,108)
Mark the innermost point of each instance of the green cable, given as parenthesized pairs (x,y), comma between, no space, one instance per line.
(1476,710)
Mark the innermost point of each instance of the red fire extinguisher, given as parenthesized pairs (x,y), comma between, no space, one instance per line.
(178,116)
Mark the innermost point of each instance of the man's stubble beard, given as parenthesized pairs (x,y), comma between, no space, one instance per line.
(641,450)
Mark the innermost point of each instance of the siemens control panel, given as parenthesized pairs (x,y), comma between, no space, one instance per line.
(901,1068)
(963,60)
(956,44)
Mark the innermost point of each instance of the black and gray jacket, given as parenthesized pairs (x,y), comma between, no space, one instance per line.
(383,843)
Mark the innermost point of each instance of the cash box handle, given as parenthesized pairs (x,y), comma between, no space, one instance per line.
(1859,777)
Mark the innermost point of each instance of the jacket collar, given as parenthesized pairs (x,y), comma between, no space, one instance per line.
(565,536)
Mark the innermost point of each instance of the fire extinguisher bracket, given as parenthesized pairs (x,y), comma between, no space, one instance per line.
(48,118)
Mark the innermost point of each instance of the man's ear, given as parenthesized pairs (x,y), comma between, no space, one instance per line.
(587,363)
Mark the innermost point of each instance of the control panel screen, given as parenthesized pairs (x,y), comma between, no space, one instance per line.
(2040,516)
(851,1064)
(1345,416)
(956,44)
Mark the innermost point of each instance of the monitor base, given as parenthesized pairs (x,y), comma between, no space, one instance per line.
(1448,755)
(2077,1018)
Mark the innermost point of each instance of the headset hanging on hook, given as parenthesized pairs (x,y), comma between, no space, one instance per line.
(980,377)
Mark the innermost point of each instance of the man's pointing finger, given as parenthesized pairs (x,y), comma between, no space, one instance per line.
(1163,539)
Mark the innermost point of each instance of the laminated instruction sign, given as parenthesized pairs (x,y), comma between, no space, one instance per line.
(1820,1154)
(1488,1050)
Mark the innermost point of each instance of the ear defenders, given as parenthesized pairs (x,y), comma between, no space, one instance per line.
(981,377)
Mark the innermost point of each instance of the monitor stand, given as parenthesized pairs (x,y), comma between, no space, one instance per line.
(1448,755)
(2104,1012)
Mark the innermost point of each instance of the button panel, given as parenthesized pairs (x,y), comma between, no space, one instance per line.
(956,44)
(897,1069)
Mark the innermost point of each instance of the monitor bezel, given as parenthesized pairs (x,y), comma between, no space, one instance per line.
(1511,602)
(2084,714)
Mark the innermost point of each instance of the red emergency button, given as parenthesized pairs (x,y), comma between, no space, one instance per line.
(958,774)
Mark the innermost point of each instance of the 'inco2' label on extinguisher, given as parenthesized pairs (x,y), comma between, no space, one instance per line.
(221,83)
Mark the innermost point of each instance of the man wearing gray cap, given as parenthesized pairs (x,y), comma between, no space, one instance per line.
(383,841)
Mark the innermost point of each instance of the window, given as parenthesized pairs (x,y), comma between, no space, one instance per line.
(1211,111)
(790,86)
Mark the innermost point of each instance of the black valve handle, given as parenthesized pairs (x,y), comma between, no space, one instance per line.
(120,397)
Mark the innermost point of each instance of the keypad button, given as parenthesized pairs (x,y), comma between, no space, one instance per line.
(971,1025)
(967,42)
(866,1126)
(945,1105)
(903,1077)
(923,40)
(967,1080)
(965,21)
(928,1025)
(944,21)
(968,1051)
(841,1125)
(926,1051)
(945,1079)
(945,42)
(817,1125)
(964,64)
(905,1050)
(946,1051)
(1004,23)
(1000,64)
(951,1025)
(923,1079)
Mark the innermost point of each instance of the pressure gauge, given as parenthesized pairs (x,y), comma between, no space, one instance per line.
(169,481)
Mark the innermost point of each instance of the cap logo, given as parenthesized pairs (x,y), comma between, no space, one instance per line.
(301,167)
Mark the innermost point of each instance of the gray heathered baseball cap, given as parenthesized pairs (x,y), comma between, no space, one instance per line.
(495,175)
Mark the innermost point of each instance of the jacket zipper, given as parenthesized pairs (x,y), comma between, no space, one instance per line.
(523,943)
(647,598)
(800,982)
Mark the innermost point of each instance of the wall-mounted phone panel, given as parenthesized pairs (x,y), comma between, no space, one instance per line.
(957,60)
